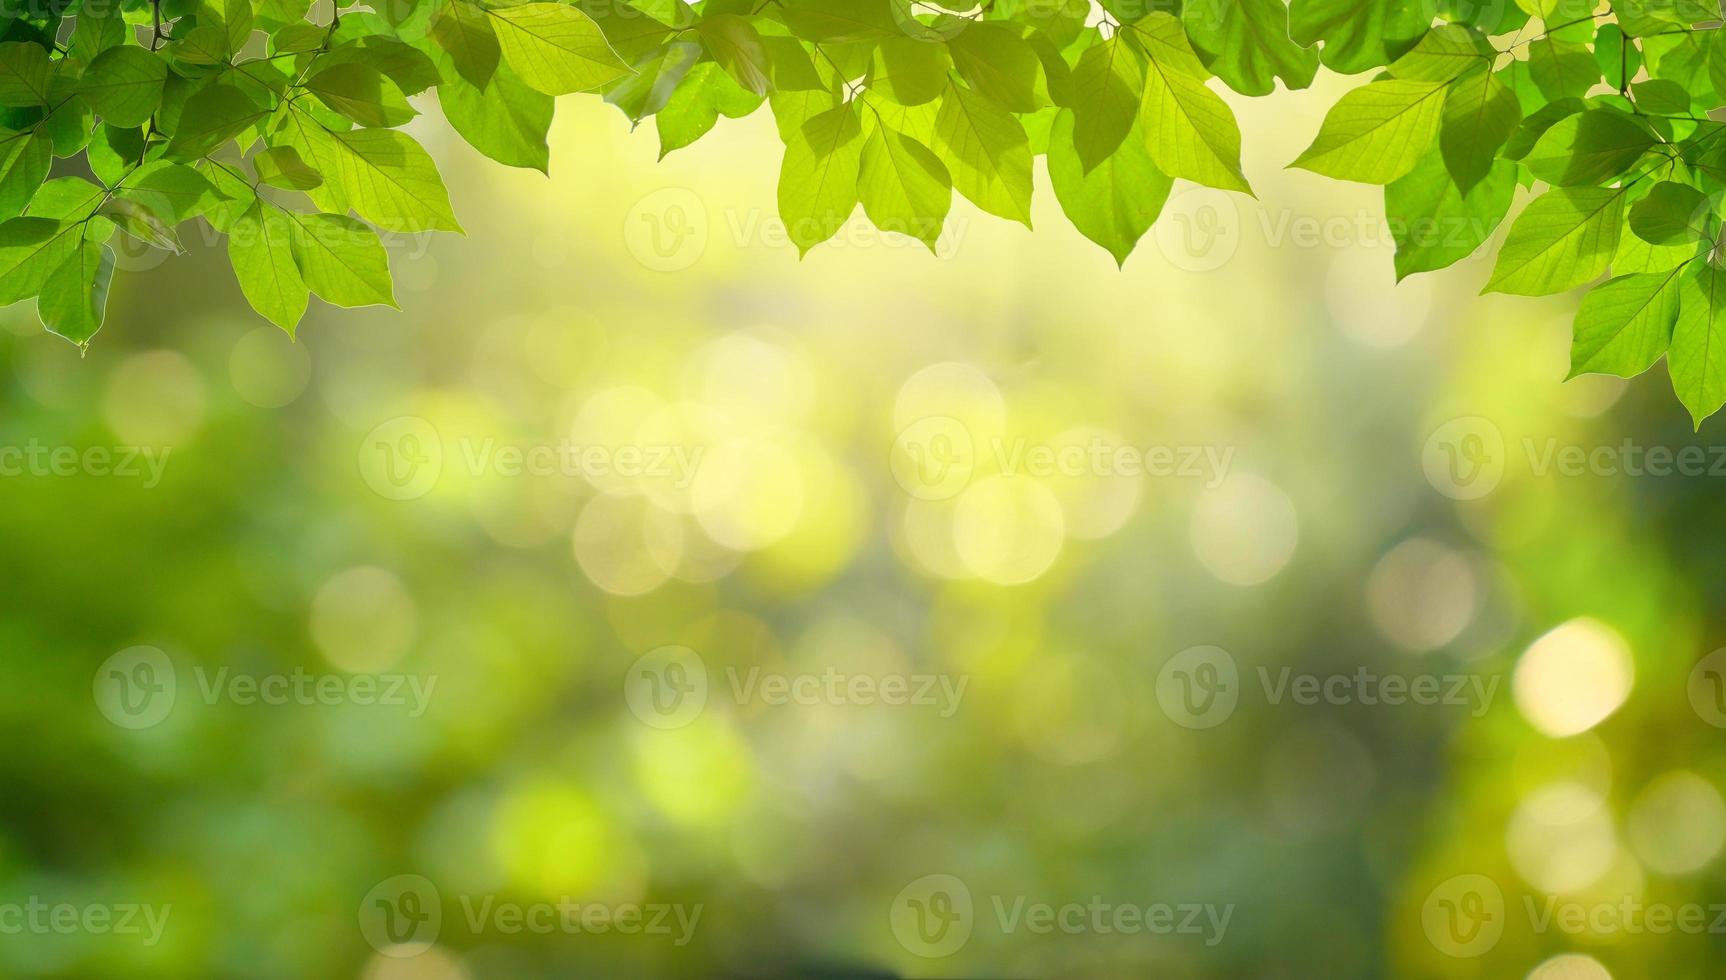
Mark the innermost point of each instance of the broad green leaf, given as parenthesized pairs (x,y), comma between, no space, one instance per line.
(1189,130)
(1561,69)
(465,32)
(97,28)
(1435,224)
(1625,324)
(736,46)
(1108,85)
(1535,126)
(998,64)
(380,173)
(1249,47)
(656,78)
(829,21)
(214,115)
(1618,59)
(1480,114)
(1114,203)
(341,260)
(1591,148)
(1563,239)
(910,72)
(141,222)
(204,46)
(75,295)
(1447,52)
(706,94)
(1355,35)
(281,166)
(904,186)
(124,85)
(507,121)
(1671,214)
(173,190)
(818,181)
(260,247)
(361,93)
(30,249)
(1697,360)
(66,198)
(24,162)
(25,72)
(1378,132)
(987,152)
(556,49)
(1662,97)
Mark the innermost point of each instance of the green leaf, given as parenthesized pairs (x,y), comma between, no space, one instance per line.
(260,247)
(1625,324)
(30,249)
(1697,360)
(1671,214)
(1480,114)
(736,47)
(75,295)
(1562,70)
(1619,60)
(1356,35)
(1447,52)
(1435,224)
(706,94)
(1662,96)
(24,74)
(214,115)
(818,181)
(507,121)
(141,222)
(987,152)
(341,260)
(124,85)
(24,162)
(830,21)
(1188,129)
(380,173)
(1535,126)
(464,30)
(173,190)
(361,93)
(910,72)
(98,27)
(1590,148)
(1112,204)
(1249,47)
(997,63)
(556,49)
(904,186)
(1108,86)
(1563,239)
(1378,132)
(281,166)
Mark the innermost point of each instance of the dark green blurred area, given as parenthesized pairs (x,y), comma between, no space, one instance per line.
(802,831)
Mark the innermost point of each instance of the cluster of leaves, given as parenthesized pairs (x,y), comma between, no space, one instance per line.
(276,123)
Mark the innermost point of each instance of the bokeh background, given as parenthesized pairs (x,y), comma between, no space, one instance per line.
(1387,504)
